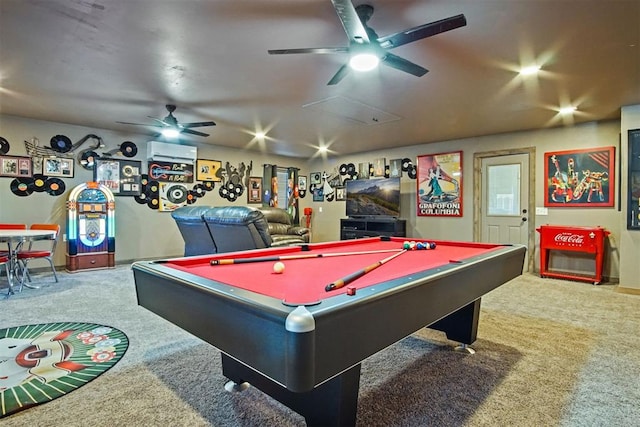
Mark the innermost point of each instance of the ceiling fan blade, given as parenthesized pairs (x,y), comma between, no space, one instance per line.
(422,31)
(402,64)
(194,132)
(309,50)
(139,124)
(162,122)
(342,72)
(197,124)
(351,21)
(135,124)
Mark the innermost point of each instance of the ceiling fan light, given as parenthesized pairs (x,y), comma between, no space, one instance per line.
(364,62)
(170,132)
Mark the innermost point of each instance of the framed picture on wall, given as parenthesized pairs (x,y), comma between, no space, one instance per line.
(633,189)
(395,168)
(57,166)
(14,166)
(440,184)
(579,178)
(254,195)
(206,170)
(341,194)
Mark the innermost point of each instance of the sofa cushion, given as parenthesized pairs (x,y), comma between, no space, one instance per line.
(237,228)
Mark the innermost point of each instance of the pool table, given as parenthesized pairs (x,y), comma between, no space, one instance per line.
(285,334)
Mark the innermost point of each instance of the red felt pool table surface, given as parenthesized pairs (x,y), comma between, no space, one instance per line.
(304,280)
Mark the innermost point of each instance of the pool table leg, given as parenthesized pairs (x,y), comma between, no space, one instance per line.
(462,324)
(333,403)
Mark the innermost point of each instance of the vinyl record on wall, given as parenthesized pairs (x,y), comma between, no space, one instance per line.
(144,180)
(88,159)
(153,203)
(61,143)
(4,146)
(177,194)
(142,198)
(128,149)
(39,183)
(152,188)
(22,186)
(209,185)
(191,198)
(54,186)
(199,190)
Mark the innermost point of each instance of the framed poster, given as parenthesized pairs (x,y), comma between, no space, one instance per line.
(14,166)
(206,170)
(395,168)
(379,167)
(57,166)
(341,194)
(254,195)
(633,200)
(439,181)
(315,178)
(579,178)
(170,171)
(302,182)
(122,177)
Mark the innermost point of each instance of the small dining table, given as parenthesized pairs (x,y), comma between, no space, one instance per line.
(14,240)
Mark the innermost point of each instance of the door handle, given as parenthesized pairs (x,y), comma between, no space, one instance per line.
(524,219)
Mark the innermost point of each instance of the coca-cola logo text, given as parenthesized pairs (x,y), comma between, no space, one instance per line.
(569,238)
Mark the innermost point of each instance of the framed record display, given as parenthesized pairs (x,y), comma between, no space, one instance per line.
(254,195)
(12,166)
(57,167)
(122,177)
(207,169)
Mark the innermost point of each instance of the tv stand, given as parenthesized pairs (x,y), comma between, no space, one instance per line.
(357,228)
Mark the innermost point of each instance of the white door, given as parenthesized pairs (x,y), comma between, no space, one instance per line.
(505,199)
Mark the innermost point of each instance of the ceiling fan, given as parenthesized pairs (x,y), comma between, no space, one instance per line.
(171,123)
(363,39)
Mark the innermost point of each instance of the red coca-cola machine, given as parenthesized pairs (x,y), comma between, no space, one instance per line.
(590,240)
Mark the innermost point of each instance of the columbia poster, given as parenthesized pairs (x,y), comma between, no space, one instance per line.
(440,184)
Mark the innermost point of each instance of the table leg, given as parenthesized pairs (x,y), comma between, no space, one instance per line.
(333,403)
(462,324)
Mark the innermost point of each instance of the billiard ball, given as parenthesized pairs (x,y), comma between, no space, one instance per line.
(420,246)
(433,245)
(405,245)
(278,267)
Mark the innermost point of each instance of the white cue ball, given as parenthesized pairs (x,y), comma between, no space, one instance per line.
(278,267)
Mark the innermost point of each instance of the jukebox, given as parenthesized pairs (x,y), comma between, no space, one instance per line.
(90,227)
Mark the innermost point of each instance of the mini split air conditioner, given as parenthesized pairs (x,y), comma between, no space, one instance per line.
(165,152)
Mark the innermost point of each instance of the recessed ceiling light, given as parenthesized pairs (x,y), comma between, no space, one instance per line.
(567,110)
(260,135)
(528,71)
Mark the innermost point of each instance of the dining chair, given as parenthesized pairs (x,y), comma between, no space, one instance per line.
(4,261)
(9,226)
(35,252)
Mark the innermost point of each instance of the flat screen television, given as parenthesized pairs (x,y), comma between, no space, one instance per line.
(373,197)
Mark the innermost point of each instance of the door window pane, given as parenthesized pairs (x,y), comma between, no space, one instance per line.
(504,190)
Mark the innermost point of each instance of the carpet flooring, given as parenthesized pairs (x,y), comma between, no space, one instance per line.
(549,353)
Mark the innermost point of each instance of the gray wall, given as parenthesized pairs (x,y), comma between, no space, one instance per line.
(141,233)
(589,135)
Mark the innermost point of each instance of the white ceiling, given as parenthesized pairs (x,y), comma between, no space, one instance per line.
(96,62)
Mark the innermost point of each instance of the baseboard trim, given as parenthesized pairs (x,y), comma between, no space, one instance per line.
(625,290)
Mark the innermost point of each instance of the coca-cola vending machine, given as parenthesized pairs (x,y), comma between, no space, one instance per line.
(590,240)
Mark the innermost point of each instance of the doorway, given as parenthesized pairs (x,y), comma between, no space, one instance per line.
(504,198)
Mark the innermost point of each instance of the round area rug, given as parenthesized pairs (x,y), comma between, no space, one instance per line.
(39,363)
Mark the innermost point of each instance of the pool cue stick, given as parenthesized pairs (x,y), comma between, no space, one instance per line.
(227,261)
(353,276)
